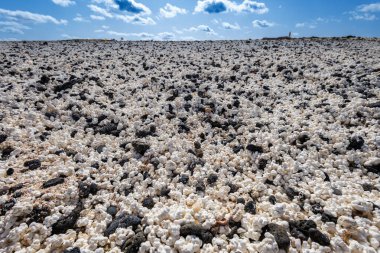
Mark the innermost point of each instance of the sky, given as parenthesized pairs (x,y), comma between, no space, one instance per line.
(186,19)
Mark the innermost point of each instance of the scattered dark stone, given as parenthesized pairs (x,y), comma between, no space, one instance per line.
(122,221)
(200,186)
(68,85)
(368,187)
(32,164)
(146,132)
(212,178)
(184,179)
(254,148)
(132,245)
(262,164)
(233,187)
(337,191)
(72,250)
(4,190)
(250,207)
(272,200)
(6,152)
(196,230)
(236,149)
(318,237)
(374,168)
(10,171)
(86,189)
(240,201)
(3,137)
(15,187)
(38,214)
(44,79)
(140,147)
(109,129)
(148,202)
(356,143)
(291,193)
(327,178)
(164,192)
(67,222)
(303,138)
(6,206)
(53,182)
(317,208)
(374,105)
(280,235)
(329,218)
(301,228)
(112,210)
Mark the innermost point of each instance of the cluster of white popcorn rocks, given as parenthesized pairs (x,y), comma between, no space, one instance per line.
(228,146)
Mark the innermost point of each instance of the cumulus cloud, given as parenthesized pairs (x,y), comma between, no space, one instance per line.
(262,24)
(100,10)
(132,19)
(202,28)
(30,16)
(229,26)
(375,7)
(133,7)
(144,36)
(170,11)
(79,18)
(298,25)
(365,12)
(64,3)
(12,27)
(219,6)
(96,17)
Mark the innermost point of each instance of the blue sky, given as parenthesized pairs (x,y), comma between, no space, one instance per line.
(186,19)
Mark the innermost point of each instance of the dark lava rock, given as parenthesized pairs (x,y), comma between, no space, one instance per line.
(146,132)
(200,186)
(140,147)
(10,171)
(32,164)
(280,235)
(5,207)
(68,85)
(272,200)
(72,250)
(44,79)
(337,191)
(6,152)
(318,237)
(164,192)
(317,208)
(300,229)
(85,189)
(184,179)
(374,167)
(262,164)
(196,230)
(122,221)
(109,129)
(148,202)
(112,210)
(38,214)
(67,222)
(132,245)
(329,218)
(254,148)
(356,142)
(250,207)
(53,182)
(15,187)
(368,187)
(233,187)
(3,137)
(212,178)
(291,193)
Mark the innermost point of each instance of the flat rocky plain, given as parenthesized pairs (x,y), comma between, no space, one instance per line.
(224,146)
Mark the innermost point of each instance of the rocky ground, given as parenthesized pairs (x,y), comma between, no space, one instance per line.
(229,146)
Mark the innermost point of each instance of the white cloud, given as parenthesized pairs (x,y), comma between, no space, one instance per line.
(170,11)
(262,24)
(64,3)
(30,16)
(12,27)
(100,10)
(132,19)
(79,18)
(143,35)
(219,6)
(105,27)
(229,26)
(375,7)
(202,28)
(362,16)
(165,36)
(96,17)
(298,25)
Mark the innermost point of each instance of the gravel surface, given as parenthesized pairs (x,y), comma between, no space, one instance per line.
(227,146)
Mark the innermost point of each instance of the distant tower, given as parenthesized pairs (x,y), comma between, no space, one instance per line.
(290,34)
